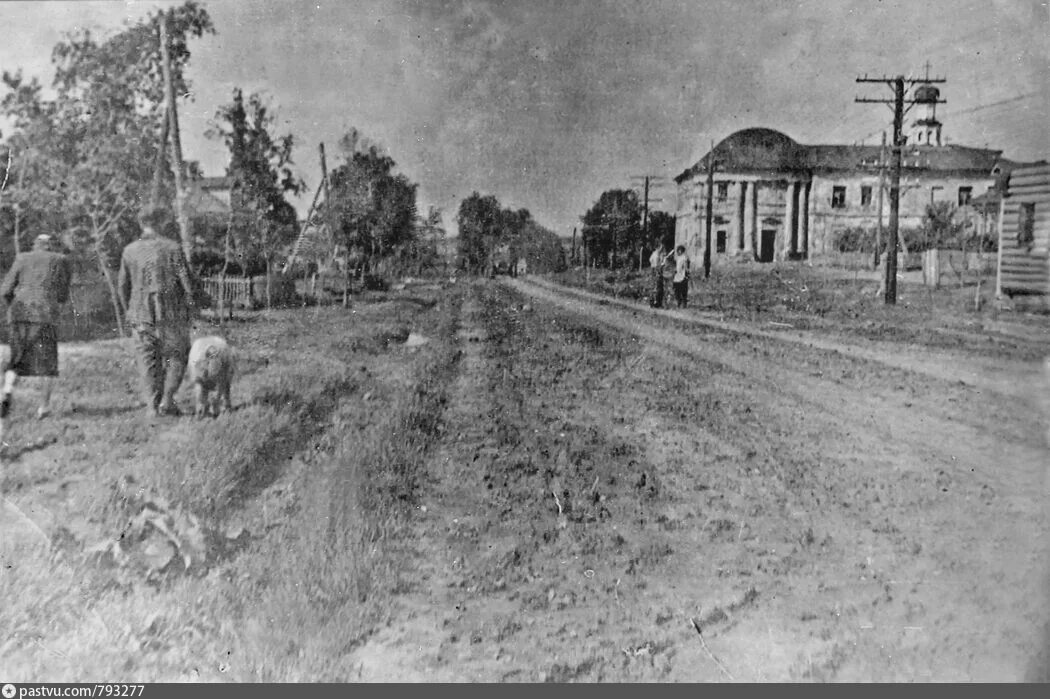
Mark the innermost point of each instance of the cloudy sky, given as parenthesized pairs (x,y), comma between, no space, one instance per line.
(546,103)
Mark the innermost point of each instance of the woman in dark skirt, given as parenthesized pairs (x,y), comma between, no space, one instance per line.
(34,288)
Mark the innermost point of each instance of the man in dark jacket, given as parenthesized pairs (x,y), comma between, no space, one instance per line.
(34,288)
(157,295)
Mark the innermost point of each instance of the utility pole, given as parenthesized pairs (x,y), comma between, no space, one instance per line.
(645,224)
(882,185)
(649,185)
(710,212)
(185,234)
(898,101)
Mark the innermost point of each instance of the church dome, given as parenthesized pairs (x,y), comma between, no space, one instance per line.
(757,149)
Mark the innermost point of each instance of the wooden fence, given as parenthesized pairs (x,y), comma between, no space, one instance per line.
(232,292)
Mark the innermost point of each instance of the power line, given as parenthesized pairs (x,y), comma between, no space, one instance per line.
(998,103)
(924,95)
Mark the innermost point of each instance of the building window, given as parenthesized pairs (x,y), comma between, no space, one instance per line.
(723,190)
(965,194)
(838,197)
(720,241)
(1026,226)
(865,195)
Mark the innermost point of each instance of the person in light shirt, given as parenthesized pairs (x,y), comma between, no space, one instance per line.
(681,277)
(656,262)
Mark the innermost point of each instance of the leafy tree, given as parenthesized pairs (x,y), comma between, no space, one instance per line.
(485,229)
(612,228)
(661,230)
(480,226)
(370,209)
(85,154)
(423,252)
(940,227)
(262,222)
(541,248)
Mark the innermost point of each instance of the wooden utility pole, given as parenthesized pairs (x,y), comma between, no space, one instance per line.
(882,185)
(572,256)
(185,234)
(898,101)
(710,212)
(645,224)
(895,190)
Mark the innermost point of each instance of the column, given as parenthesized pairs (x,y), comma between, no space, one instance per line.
(751,218)
(790,201)
(741,215)
(803,220)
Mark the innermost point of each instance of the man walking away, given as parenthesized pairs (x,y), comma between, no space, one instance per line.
(157,294)
(34,288)
(681,276)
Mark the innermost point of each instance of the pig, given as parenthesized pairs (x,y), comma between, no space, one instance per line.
(211,367)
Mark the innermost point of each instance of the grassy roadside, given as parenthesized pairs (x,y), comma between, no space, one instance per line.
(799,297)
(313,472)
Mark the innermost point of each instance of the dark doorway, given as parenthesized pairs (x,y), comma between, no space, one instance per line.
(768,247)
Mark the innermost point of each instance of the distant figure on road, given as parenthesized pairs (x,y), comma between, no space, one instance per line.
(157,294)
(656,263)
(681,276)
(35,288)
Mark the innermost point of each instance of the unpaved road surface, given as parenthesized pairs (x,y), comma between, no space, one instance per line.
(626,495)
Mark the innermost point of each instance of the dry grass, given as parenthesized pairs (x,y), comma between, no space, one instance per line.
(847,303)
(320,461)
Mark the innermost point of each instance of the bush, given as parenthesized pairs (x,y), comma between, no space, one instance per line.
(373,282)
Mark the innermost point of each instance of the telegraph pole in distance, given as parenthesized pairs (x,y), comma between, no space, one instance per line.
(882,186)
(897,84)
(709,212)
(647,184)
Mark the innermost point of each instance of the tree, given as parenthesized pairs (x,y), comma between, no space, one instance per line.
(423,252)
(480,225)
(612,227)
(940,229)
(371,209)
(262,222)
(661,230)
(85,153)
(485,228)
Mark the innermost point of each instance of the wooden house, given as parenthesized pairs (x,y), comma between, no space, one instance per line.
(1024,236)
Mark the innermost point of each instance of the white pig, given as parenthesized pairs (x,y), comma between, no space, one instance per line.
(211,367)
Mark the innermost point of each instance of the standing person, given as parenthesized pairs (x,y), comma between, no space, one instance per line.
(157,294)
(35,288)
(656,263)
(681,276)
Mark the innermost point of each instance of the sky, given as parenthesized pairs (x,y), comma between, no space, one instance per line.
(545,103)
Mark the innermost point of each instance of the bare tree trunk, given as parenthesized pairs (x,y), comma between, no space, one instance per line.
(269,300)
(222,274)
(114,296)
(346,279)
(185,232)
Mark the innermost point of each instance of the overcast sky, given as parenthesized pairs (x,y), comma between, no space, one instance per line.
(546,103)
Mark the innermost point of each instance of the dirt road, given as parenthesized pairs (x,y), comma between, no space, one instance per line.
(544,485)
(627,495)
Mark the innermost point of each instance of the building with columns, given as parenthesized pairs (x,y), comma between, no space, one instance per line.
(776,199)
